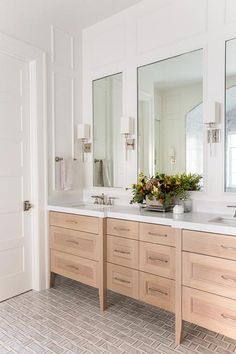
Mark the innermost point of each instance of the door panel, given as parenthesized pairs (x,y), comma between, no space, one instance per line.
(15,178)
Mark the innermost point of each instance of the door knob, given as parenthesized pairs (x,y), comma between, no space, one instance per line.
(27,205)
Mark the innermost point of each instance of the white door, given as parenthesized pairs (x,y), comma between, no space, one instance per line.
(15,177)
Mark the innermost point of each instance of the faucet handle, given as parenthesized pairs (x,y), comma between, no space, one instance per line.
(231,206)
(110,200)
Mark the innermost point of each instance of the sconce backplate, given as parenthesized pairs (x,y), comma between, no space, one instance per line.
(87,147)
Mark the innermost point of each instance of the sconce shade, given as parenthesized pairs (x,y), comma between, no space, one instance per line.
(125,125)
(212,113)
(83,131)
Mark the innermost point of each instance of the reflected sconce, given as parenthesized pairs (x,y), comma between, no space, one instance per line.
(172,157)
(127,131)
(211,119)
(83,135)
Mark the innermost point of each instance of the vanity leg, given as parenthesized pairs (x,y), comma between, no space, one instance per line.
(52,279)
(102,264)
(178,287)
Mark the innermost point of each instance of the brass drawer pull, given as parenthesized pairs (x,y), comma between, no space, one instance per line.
(158,291)
(158,259)
(121,228)
(122,280)
(156,234)
(71,221)
(122,252)
(226,277)
(72,267)
(72,241)
(228,248)
(227,317)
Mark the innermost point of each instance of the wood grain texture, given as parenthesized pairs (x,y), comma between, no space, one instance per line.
(217,245)
(210,311)
(163,235)
(178,286)
(74,222)
(121,251)
(157,259)
(157,291)
(123,228)
(123,280)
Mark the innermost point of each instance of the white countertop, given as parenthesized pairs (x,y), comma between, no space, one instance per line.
(192,221)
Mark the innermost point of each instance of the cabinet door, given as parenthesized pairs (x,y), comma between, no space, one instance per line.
(157,259)
(157,291)
(122,251)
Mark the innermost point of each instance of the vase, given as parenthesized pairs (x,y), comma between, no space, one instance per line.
(157,205)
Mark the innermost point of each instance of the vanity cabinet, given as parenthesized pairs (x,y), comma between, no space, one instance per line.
(209,281)
(140,261)
(77,249)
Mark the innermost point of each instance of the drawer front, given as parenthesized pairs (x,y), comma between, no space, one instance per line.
(157,291)
(74,242)
(73,267)
(122,280)
(122,251)
(210,244)
(213,312)
(163,235)
(124,228)
(157,259)
(75,222)
(215,275)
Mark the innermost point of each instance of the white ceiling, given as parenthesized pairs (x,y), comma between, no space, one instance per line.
(29,19)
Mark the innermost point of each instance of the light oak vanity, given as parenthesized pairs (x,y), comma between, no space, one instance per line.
(190,273)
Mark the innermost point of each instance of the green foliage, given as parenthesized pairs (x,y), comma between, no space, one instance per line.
(164,188)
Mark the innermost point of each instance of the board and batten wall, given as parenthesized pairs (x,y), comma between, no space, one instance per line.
(147,32)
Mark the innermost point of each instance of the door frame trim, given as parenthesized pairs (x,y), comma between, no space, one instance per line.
(36,58)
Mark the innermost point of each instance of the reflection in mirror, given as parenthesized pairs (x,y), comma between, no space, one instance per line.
(170,115)
(230,117)
(107,140)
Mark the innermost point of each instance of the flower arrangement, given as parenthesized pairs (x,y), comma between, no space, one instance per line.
(164,188)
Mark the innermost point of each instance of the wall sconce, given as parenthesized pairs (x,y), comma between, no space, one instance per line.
(127,130)
(211,119)
(83,134)
(172,157)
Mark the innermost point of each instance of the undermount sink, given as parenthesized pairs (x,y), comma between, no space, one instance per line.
(90,206)
(229,221)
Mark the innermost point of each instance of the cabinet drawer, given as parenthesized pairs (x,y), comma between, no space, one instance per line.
(74,242)
(163,235)
(122,280)
(157,291)
(213,312)
(122,251)
(157,259)
(210,244)
(73,267)
(215,275)
(123,228)
(75,222)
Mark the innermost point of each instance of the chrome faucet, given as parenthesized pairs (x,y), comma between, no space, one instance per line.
(232,206)
(99,199)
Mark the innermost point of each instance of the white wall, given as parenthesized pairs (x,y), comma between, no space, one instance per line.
(64,64)
(151,31)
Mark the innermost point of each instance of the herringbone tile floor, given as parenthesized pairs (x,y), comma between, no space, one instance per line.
(66,319)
